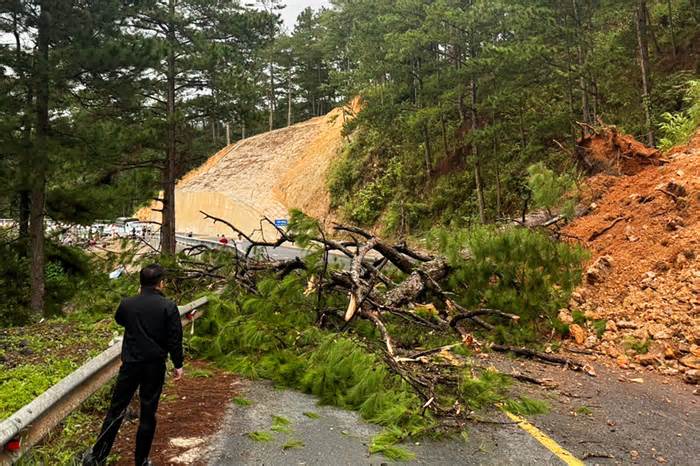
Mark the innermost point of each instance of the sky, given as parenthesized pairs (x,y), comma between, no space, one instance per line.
(294,7)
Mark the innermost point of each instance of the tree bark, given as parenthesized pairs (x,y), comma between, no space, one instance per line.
(444,134)
(498,172)
(643,43)
(271,116)
(25,159)
(167,230)
(477,161)
(671,28)
(585,105)
(427,152)
(40,162)
(289,103)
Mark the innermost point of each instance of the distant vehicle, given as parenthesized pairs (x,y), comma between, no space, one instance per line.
(125,220)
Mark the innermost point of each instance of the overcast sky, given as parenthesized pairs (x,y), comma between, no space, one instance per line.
(294,7)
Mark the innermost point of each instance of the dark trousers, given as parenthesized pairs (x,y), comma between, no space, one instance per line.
(148,378)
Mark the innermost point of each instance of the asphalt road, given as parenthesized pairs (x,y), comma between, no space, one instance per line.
(340,437)
(285,252)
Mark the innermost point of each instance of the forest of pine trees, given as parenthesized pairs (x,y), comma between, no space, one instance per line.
(106,103)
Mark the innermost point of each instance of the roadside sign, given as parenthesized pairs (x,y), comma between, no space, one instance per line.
(281,222)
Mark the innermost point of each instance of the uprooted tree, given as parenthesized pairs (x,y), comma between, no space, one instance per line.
(490,290)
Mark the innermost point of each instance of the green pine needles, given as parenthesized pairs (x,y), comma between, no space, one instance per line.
(272,334)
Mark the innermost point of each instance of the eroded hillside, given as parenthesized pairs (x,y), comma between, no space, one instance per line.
(262,176)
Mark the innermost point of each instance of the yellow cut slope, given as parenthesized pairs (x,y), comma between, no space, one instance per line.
(262,176)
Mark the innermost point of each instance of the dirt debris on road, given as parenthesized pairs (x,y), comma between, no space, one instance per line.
(190,412)
(641,295)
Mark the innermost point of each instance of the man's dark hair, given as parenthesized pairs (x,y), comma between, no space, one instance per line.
(151,275)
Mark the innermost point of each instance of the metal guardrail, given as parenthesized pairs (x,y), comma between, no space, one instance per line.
(32,422)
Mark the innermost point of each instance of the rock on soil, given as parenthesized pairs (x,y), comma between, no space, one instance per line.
(644,273)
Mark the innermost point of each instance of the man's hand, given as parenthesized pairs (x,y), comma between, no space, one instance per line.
(178,373)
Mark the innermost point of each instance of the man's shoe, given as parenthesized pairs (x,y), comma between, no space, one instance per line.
(148,462)
(89,459)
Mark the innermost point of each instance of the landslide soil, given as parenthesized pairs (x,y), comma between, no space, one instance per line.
(643,280)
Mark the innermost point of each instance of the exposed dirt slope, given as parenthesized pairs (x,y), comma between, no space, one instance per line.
(644,275)
(265,175)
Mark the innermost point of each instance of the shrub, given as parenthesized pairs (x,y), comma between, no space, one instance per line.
(551,191)
(678,128)
(516,270)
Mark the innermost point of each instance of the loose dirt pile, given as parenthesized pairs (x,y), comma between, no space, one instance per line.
(610,152)
(643,281)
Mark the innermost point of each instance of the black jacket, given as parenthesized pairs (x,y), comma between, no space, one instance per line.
(152,328)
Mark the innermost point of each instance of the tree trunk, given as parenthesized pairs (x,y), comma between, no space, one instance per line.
(289,103)
(167,229)
(271,117)
(444,134)
(228,134)
(498,168)
(428,153)
(643,43)
(477,161)
(585,105)
(40,162)
(25,160)
(671,29)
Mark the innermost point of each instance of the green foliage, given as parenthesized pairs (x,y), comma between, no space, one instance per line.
(584,410)
(678,128)
(260,436)
(516,270)
(198,373)
(281,424)
(551,191)
(66,270)
(293,443)
(385,443)
(21,384)
(485,390)
(637,345)
(526,406)
(240,401)
(312,415)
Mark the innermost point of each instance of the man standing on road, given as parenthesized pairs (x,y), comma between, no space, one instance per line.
(152,331)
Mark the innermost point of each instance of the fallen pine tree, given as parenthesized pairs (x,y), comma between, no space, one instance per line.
(390,331)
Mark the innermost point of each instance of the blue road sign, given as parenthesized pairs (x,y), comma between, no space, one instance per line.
(281,222)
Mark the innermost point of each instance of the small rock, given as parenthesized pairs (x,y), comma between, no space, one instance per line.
(565,316)
(610,326)
(627,324)
(637,380)
(692,376)
(577,297)
(599,269)
(661,266)
(691,361)
(622,361)
(648,359)
(578,333)
(659,331)
(634,454)
(671,351)
(675,223)
(591,341)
